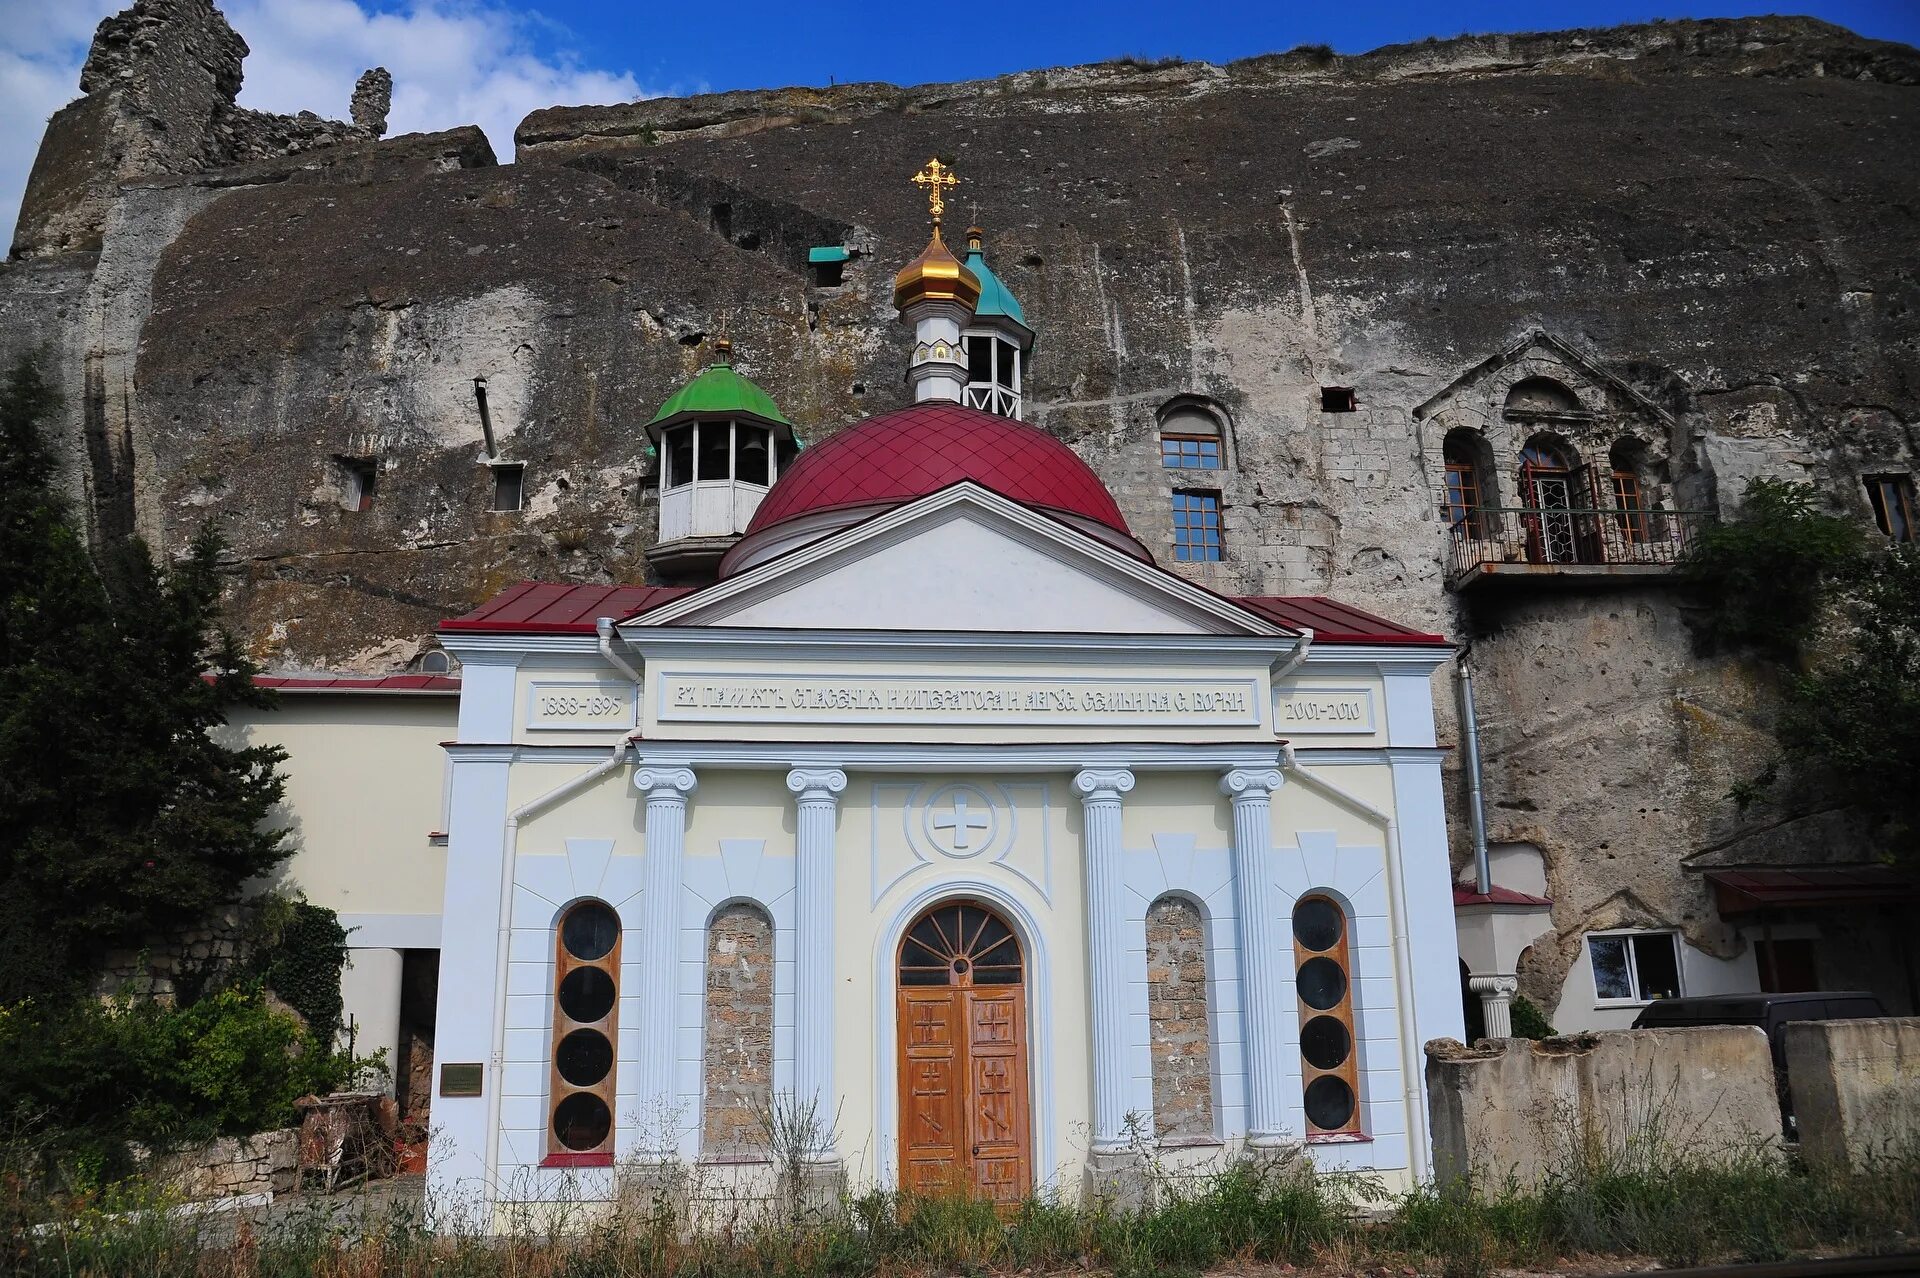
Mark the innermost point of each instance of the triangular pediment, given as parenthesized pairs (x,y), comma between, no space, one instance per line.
(1541,351)
(963,559)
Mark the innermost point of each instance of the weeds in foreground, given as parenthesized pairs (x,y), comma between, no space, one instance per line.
(1683,1210)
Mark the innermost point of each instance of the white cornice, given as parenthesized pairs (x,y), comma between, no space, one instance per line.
(926,645)
(1098,559)
(498,647)
(906,756)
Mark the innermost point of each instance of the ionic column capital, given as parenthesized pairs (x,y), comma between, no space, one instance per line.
(667,783)
(1093,784)
(817,784)
(1495,986)
(1244,785)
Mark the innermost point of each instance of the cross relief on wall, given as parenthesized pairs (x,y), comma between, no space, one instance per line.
(920,826)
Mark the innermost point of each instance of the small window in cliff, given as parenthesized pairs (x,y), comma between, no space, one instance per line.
(357,477)
(1892,499)
(1634,967)
(509,485)
(1193,434)
(1338,399)
(1196,527)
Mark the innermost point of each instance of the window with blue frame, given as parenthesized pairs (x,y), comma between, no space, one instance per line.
(1196,527)
(1189,452)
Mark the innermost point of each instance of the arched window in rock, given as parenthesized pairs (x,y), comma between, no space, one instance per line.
(586,997)
(1558,520)
(1177,1019)
(1628,459)
(1193,434)
(736,1059)
(1468,495)
(1323,977)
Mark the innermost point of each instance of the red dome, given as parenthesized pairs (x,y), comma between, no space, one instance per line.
(899,456)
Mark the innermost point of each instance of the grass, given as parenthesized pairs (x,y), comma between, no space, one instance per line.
(1678,1211)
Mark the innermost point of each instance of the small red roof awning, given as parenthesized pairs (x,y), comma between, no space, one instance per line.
(1746,891)
(1464,895)
(1333,621)
(543,607)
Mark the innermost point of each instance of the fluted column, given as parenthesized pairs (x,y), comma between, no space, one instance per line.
(816,799)
(1496,1002)
(1100,790)
(1264,951)
(666,790)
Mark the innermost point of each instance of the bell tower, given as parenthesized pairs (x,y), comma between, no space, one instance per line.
(935,295)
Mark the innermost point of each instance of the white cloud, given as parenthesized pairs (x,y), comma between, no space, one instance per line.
(453,62)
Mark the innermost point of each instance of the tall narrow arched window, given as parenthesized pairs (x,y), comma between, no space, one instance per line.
(1467,494)
(1178,1038)
(1323,977)
(586,997)
(1192,434)
(1557,521)
(736,1059)
(1628,459)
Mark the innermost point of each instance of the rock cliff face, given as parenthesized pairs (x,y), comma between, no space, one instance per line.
(1704,231)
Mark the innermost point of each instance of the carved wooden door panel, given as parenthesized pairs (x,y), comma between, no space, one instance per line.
(996,1100)
(932,1153)
(964,1123)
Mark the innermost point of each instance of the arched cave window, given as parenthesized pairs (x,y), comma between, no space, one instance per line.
(1192,434)
(1628,459)
(1541,397)
(1559,519)
(1468,493)
(586,976)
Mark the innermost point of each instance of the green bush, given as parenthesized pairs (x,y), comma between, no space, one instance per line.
(1528,1020)
(1765,576)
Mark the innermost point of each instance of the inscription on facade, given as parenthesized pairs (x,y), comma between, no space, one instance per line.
(580,706)
(1307,711)
(774,698)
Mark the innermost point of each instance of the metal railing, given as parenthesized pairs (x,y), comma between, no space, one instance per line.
(1570,537)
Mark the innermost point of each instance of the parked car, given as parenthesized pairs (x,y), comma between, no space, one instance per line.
(1772,1013)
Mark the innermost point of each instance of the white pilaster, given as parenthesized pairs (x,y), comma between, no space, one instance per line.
(816,800)
(1100,790)
(666,790)
(1263,950)
(1496,1002)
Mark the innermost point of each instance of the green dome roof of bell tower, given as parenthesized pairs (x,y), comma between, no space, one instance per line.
(995,298)
(720,392)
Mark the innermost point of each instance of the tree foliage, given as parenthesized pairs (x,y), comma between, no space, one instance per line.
(1767,575)
(122,817)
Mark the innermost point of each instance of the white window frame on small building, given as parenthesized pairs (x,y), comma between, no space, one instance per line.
(999,393)
(1630,935)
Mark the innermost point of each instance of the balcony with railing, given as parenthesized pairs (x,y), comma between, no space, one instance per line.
(1564,545)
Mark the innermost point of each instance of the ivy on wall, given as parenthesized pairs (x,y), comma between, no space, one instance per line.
(302,951)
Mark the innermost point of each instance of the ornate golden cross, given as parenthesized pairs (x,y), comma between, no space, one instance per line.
(936,179)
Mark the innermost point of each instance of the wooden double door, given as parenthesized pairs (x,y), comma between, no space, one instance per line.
(964,1122)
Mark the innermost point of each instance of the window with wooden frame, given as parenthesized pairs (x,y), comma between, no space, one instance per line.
(586,985)
(1190,436)
(1329,1065)
(1893,508)
(1463,501)
(1629,494)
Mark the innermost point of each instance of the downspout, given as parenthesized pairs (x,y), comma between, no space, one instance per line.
(1296,658)
(510,846)
(1476,786)
(604,628)
(1410,1068)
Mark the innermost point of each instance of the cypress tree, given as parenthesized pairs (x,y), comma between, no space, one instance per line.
(123,817)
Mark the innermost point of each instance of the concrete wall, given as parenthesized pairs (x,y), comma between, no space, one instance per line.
(1512,1107)
(1856,1089)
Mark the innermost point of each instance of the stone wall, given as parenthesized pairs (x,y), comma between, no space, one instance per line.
(1627,1099)
(737,1056)
(1177,1020)
(1856,1090)
(230,1166)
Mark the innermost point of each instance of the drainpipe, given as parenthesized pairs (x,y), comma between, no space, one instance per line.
(1418,1132)
(604,628)
(1476,797)
(486,418)
(510,846)
(1296,658)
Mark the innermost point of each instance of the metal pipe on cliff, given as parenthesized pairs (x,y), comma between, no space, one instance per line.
(1470,759)
(486,418)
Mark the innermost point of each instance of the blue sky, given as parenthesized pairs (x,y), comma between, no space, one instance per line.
(490,62)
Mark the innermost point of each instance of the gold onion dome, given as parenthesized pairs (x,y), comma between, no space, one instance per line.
(936,275)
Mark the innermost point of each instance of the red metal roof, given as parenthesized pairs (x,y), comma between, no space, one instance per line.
(557,608)
(359,683)
(899,456)
(1333,622)
(1744,891)
(1464,895)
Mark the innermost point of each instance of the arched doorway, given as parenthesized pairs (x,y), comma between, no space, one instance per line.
(963,1055)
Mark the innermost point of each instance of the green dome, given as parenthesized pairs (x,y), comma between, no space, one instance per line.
(995,299)
(720,392)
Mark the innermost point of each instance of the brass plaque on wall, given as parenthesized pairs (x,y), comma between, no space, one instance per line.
(460,1080)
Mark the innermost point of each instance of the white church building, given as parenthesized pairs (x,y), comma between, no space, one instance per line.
(933,809)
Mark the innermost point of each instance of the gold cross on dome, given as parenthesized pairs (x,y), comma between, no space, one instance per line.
(936,179)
